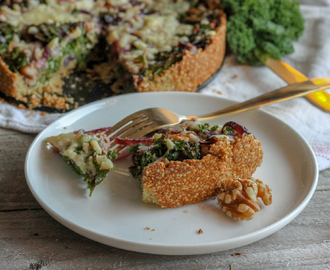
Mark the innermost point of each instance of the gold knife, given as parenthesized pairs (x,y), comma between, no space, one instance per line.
(321,99)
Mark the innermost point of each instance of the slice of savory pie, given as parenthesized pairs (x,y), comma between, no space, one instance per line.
(86,152)
(191,162)
(164,45)
(187,163)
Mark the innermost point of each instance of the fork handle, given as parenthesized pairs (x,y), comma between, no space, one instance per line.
(285,93)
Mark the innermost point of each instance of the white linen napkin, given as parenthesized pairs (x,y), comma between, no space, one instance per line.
(24,120)
(240,82)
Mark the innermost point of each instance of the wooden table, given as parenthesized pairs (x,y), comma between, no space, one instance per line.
(31,239)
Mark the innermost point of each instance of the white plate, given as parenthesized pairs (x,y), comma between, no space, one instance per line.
(115,215)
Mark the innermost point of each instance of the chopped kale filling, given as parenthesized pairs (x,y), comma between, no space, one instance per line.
(77,48)
(15,59)
(180,150)
(7,33)
(168,144)
(72,38)
(44,32)
(163,61)
(92,178)
(73,165)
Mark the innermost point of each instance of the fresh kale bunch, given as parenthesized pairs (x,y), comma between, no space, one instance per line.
(265,28)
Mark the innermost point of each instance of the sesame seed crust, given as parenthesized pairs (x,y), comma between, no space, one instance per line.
(179,183)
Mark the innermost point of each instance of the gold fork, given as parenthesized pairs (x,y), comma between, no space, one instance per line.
(145,121)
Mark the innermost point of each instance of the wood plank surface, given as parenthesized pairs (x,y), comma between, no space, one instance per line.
(31,239)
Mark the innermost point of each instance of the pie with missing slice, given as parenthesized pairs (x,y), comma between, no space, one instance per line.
(162,45)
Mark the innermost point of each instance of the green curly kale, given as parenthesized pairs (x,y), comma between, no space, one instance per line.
(262,28)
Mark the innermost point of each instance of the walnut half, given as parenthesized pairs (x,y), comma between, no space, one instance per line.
(238,197)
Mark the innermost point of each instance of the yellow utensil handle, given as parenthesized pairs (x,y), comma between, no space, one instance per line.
(289,74)
(320,99)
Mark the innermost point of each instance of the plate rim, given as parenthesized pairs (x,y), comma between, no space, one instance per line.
(173,249)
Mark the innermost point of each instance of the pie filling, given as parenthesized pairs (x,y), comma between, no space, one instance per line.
(188,140)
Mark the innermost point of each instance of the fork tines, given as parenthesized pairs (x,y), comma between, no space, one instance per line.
(133,126)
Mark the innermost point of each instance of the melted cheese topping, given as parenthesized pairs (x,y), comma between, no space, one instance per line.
(49,13)
(147,35)
(83,150)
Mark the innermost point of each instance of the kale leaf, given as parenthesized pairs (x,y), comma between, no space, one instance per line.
(142,158)
(262,28)
(184,150)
